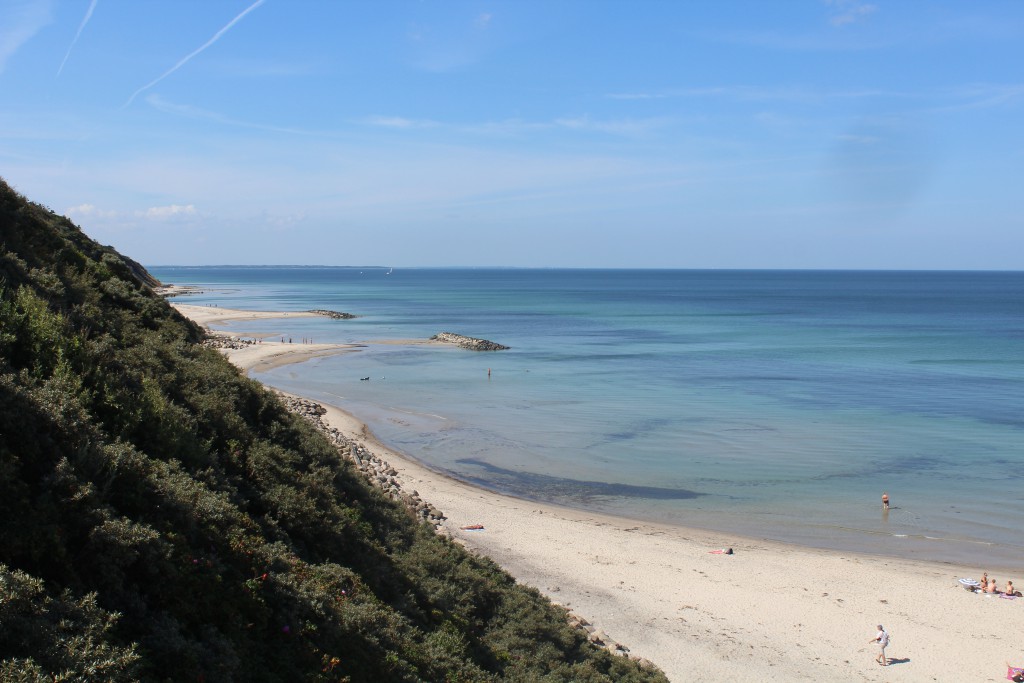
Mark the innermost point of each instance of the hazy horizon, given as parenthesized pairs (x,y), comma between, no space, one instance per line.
(378,266)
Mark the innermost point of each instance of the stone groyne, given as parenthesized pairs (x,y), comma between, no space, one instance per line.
(336,315)
(170,291)
(224,341)
(471,343)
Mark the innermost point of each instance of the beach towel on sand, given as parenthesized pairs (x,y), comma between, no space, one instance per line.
(1014,673)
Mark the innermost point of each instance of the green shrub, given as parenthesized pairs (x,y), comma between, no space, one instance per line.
(62,638)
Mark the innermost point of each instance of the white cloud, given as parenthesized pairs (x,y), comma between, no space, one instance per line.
(192,112)
(88,15)
(185,110)
(88,211)
(282,222)
(618,127)
(157,214)
(518,126)
(19,23)
(263,68)
(984,95)
(163,213)
(780,93)
(849,11)
(637,96)
(397,122)
(859,139)
(814,42)
(950,98)
(444,45)
(153,213)
(184,60)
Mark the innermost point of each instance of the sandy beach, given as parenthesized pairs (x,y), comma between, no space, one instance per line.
(767,612)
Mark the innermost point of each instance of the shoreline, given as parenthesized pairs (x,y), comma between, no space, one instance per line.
(786,612)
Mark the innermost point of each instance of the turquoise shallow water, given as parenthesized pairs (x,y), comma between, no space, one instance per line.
(770,403)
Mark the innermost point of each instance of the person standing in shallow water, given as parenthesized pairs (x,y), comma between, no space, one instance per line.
(885,501)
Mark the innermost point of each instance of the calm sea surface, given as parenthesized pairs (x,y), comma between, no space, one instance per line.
(778,404)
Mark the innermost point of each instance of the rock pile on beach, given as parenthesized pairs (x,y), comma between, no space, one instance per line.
(219,341)
(601,639)
(376,470)
(385,477)
(336,315)
(170,291)
(471,343)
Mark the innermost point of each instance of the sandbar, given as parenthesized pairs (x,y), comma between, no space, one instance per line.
(208,316)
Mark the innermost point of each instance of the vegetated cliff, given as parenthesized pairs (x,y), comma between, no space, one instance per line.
(164,518)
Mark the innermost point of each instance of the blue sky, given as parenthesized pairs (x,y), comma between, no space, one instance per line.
(789,134)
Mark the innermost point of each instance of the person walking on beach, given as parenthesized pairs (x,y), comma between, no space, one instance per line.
(885,501)
(882,638)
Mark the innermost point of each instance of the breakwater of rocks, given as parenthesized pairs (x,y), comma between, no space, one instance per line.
(386,478)
(471,343)
(375,469)
(336,315)
(220,341)
(170,291)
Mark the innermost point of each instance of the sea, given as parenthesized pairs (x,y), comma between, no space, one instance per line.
(768,404)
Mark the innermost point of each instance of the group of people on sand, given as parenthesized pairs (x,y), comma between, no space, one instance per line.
(989,586)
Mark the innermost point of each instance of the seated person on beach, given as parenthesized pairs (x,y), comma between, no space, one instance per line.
(991,586)
(1010,589)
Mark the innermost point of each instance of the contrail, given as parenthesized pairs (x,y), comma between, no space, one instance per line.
(88,14)
(184,60)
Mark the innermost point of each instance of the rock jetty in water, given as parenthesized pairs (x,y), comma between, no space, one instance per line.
(471,343)
(336,315)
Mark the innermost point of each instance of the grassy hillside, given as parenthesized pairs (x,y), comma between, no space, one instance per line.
(162,517)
